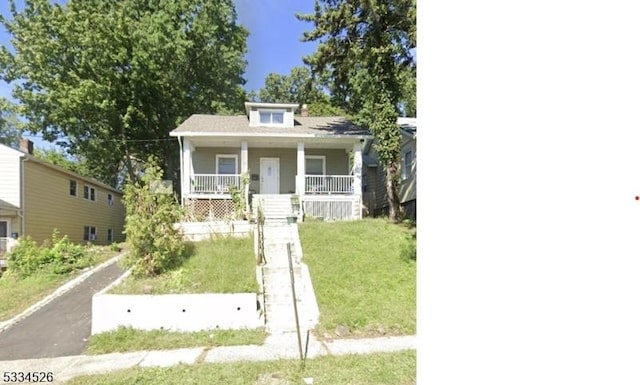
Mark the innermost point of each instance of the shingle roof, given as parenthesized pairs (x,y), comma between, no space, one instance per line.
(239,124)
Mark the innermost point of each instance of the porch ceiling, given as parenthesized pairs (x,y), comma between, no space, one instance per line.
(271,142)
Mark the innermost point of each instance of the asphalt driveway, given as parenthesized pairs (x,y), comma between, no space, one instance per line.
(60,328)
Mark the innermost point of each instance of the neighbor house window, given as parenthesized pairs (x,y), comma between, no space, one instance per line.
(271,117)
(73,188)
(109,235)
(226,164)
(110,199)
(89,193)
(315,165)
(406,164)
(89,233)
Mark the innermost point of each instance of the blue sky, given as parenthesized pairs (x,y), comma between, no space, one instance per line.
(273,45)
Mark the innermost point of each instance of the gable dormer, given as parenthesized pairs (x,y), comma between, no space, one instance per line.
(270,114)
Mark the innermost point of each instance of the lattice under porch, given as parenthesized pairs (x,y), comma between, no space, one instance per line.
(208,209)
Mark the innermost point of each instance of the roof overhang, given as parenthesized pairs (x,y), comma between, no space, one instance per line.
(273,135)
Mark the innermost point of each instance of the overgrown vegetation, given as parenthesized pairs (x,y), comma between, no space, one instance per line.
(19,292)
(57,255)
(364,276)
(155,244)
(126,339)
(397,368)
(218,265)
(239,197)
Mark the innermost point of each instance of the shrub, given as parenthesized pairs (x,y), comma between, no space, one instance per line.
(155,244)
(58,255)
(25,258)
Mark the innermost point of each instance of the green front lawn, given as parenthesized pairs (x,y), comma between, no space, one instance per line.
(371,369)
(364,276)
(17,294)
(219,265)
(129,340)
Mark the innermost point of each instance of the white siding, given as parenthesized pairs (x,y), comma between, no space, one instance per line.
(254,116)
(10,175)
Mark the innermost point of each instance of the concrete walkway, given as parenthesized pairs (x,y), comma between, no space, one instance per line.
(59,325)
(65,368)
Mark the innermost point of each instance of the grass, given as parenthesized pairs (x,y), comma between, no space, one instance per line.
(364,276)
(128,339)
(385,368)
(18,294)
(219,265)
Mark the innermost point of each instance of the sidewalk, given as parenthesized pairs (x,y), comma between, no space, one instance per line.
(276,347)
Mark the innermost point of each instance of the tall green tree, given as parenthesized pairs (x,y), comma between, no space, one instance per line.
(109,79)
(10,125)
(299,86)
(60,158)
(365,50)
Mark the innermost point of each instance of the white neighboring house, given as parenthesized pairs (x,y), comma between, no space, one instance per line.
(318,159)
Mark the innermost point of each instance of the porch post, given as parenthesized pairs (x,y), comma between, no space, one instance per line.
(244,168)
(357,173)
(187,171)
(301,170)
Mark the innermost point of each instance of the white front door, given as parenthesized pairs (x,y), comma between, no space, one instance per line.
(269,175)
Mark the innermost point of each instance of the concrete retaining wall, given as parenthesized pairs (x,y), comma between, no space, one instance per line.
(199,231)
(176,312)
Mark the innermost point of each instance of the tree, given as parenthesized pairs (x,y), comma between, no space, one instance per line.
(156,245)
(60,158)
(297,87)
(364,51)
(108,79)
(10,125)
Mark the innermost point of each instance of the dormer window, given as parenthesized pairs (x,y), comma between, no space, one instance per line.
(271,118)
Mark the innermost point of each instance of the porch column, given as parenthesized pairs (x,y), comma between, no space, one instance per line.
(357,168)
(301,170)
(244,168)
(357,174)
(187,165)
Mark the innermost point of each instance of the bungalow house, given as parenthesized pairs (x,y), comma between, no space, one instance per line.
(375,194)
(37,197)
(280,155)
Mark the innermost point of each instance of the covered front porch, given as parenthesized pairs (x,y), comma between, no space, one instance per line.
(214,170)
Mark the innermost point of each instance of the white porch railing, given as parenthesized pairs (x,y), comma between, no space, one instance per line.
(328,184)
(6,244)
(214,183)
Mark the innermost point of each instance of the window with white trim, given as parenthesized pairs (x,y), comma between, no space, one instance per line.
(271,117)
(109,235)
(226,164)
(89,193)
(73,188)
(315,165)
(90,233)
(110,199)
(406,164)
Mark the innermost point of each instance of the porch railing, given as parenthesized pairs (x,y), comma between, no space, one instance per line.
(214,183)
(328,184)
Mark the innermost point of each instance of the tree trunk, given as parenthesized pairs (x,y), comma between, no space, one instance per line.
(393,200)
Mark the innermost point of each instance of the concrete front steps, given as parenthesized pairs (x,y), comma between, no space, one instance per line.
(278,299)
(274,206)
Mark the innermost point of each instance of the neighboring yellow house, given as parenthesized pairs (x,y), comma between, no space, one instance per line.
(37,197)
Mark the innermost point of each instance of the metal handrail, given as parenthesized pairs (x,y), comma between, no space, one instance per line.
(295,302)
(261,257)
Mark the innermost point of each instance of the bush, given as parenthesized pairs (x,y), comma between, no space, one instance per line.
(155,245)
(58,255)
